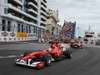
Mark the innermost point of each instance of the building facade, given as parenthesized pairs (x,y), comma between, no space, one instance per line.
(22,20)
(90,38)
(57,31)
(52,21)
(68,30)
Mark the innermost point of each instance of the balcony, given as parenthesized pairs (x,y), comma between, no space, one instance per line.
(45,1)
(33,11)
(19,2)
(44,22)
(43,4)
(35,2)
(21,20)
(43,17)
(13,17)
(44,13)
(20,11)
(31,3)
(44,10)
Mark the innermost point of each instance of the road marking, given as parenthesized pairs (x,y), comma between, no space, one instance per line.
(10,56)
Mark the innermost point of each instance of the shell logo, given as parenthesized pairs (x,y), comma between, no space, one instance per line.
(21,34)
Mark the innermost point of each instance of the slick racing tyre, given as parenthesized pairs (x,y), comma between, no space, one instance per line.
(40,65)
(47,60)
(67,54)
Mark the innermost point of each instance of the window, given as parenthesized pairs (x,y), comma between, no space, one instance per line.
(42,24)
(34,8)
(43,4)
(43,19)
(33,29)
(88,35)
(29,29)
(45,1)
(9,26)
(35,2)
(85,39)
(43,9)
(5,10)
(44,15)
(19,28)
(34,21)
(22,28)
(3,25)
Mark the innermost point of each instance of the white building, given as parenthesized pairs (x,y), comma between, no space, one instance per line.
(90,38)
(22,20)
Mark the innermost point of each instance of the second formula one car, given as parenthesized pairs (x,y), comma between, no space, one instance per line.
(77,45)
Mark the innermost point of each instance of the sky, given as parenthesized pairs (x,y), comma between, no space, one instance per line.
(85,12)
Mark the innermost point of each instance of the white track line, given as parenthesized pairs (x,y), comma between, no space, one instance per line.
(9,56)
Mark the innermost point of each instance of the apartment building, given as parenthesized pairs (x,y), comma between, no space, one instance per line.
(52,21)
(22,20)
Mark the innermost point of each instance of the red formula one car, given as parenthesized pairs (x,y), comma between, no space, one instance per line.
(36,59)
(39,59)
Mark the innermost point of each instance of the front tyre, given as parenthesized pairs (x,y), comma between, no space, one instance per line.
(41,65)
(47,60)
(67,54)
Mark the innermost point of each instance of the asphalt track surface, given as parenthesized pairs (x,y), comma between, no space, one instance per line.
(84,62)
